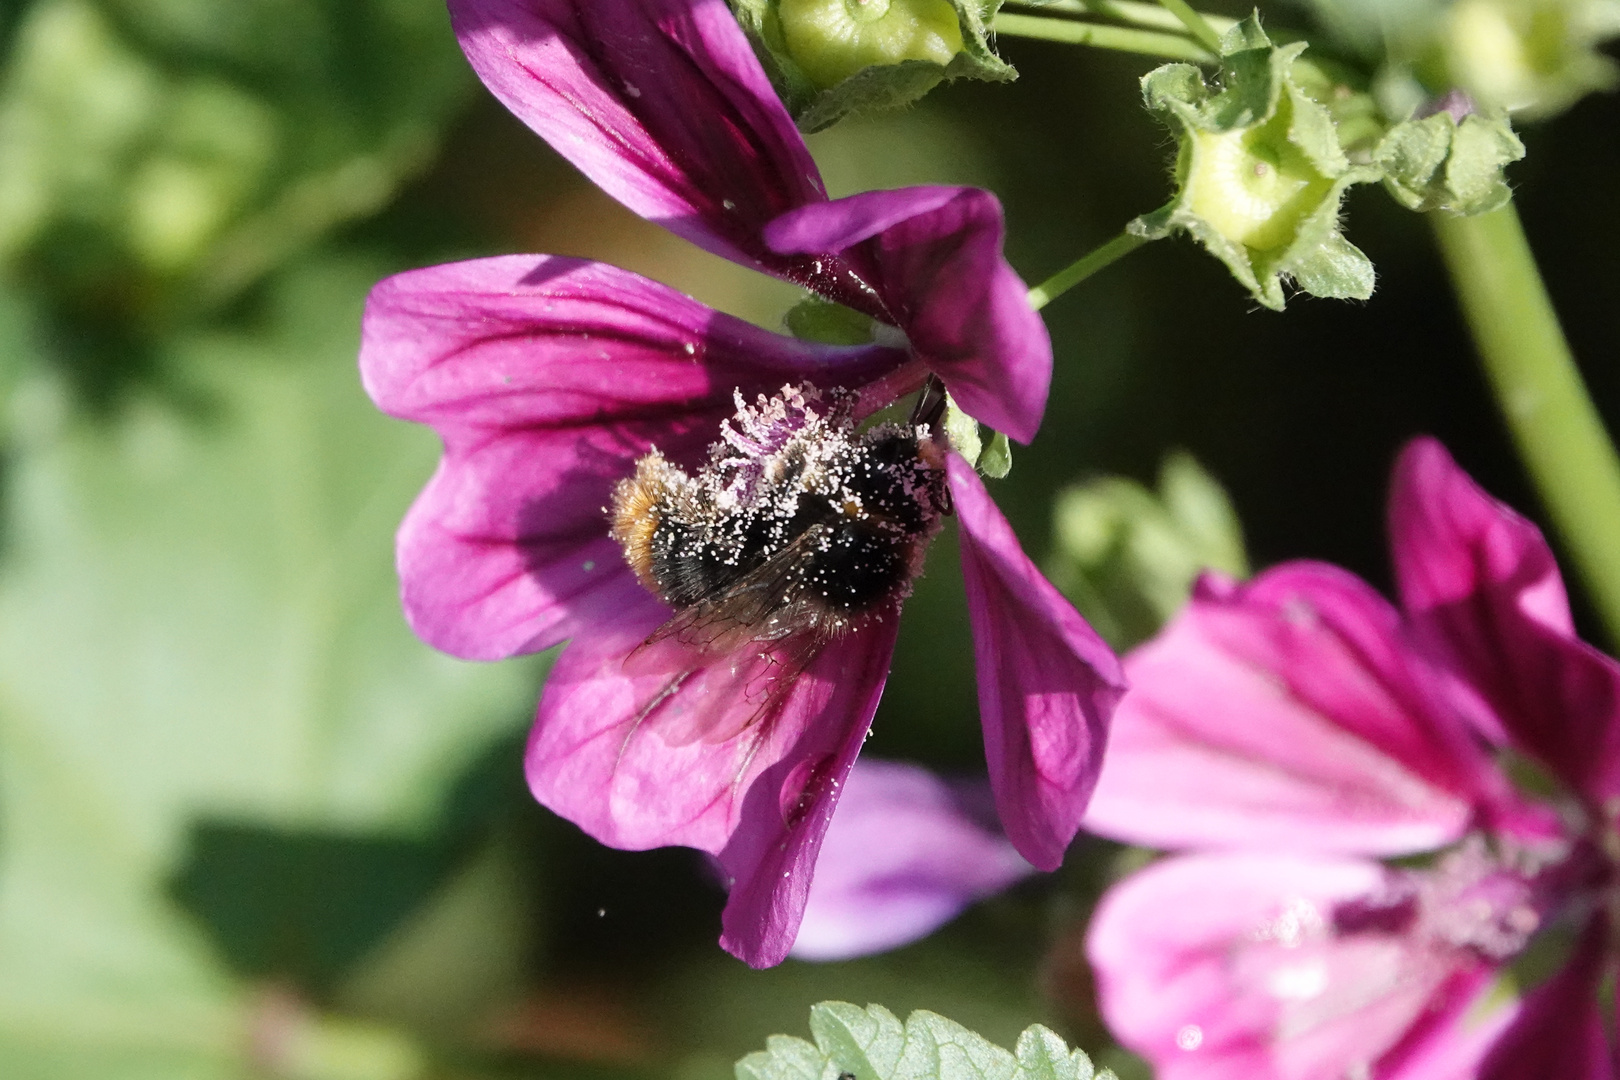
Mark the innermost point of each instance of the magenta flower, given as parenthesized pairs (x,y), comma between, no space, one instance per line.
(905,854)
(720,700)
(1291,731)
(663,104)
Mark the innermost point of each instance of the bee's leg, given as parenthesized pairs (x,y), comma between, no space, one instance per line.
(930,403)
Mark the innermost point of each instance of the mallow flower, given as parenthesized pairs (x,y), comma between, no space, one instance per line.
(906,853)
(1289,733)
(690,500)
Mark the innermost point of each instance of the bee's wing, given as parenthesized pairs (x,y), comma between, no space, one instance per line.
(716,696)
(761,606)
(728,661)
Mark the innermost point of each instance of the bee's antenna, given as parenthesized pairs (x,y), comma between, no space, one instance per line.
(930,403)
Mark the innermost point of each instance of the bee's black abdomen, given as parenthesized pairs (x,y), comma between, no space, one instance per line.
(795,520)
(859,567)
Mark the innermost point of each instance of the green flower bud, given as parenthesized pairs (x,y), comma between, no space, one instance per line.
(828,58)
(1451,160)
(1532,57)
(1261,170)
(1128,556)
(833,39)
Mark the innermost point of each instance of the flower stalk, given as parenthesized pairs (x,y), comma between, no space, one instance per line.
(1118,38)
(1133,12)
(1195,23)
(1083,267)
(1532,373)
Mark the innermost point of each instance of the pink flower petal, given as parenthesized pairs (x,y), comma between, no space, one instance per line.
(1481,586)
(1047,682)
(901,858)
(771,856)
(1284,714)
(547,378)
(1559,1031)
(1229,967)
(643,746)
(934,256)
(661,102)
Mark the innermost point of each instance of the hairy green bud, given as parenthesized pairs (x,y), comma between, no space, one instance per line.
(1531,57)
(1261,170)
(833,39)
(829,58)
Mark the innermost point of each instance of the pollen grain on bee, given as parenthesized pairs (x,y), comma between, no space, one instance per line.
(797,521)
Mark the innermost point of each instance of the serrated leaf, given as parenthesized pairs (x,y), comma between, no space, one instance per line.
(785,1058)
(1042,1055)
(868,1043)
(943,1049)
(872,1044)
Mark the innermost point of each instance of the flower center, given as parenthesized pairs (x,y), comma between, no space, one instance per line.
(797,522)
(1470,899)
(833,39)
(1253,186)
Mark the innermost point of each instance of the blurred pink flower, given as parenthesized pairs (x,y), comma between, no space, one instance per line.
(549,378)
(1293,729)
(904,855)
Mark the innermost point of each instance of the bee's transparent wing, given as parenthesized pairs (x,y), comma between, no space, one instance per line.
(764,605)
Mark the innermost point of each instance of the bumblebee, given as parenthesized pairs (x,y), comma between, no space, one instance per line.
(797,525)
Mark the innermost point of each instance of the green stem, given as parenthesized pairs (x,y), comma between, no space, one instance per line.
(1557,430)
(1195,24)
(1119,38)
(1083,267)
(1135,12)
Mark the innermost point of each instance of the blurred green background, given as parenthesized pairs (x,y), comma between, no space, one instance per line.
(249,827)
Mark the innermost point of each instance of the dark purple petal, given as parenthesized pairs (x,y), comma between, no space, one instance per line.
(648,745)
(1047,682)
(901,858)
(1559,1031)
(547,378)
(1286,713)
(1229,967)
(661,102)
(771,856)
(1483,591)
(933,254)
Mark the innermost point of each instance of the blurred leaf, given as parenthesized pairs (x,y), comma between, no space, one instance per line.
(202,621)
(163,155)
(1127,556)
(303,905)
(872,1044)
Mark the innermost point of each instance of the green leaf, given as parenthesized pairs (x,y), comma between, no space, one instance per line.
(872,1044)
(1128,557)
(963,432)
(816,319)
(162,156)
(996,461)
(199,619)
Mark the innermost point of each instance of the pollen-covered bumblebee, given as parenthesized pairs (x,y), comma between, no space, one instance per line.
(797,525)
